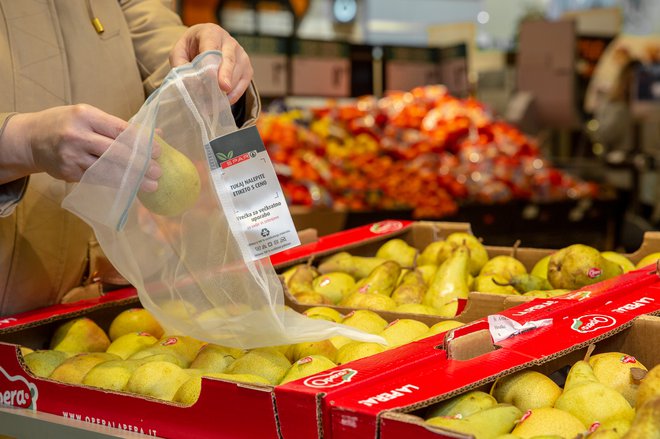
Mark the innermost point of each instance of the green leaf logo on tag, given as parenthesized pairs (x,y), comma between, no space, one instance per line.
(224,157)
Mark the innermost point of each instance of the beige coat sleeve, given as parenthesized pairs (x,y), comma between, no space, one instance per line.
(154,28)
(12,192)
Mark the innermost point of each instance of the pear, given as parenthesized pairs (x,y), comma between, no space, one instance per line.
(546,293)
(381,280)
(540,268)
(443,326)
(416,308)
(304,349)
(580,373)
(505,266)
(158,379)
(325,313)
(613,369)
(43,362)
(578,265)
(402,331)
(169,358)
(431,253)
(134,320)
(411,289)
(79,335)
(334,286)
(178,309)
(611,430)
(494,284)
(268,363)
(549,421)
(649,386)
(462,405)
(647,260)
(357,349)
(399,251)
(625,263)
(178,186)
(307,366)
(312,298)
(302,280)
(373,301)
(524,283)
(183,347)
(484,424)
(646,424)
(130,343)
(111,375)
(25,350)
(356,266)
(73,369)
(595,402)
(526,390)
(188,393)
(478,256)
(366,320)
(450,282)
(427,271)
(214,358)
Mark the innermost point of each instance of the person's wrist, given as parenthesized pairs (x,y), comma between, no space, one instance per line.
(15,147)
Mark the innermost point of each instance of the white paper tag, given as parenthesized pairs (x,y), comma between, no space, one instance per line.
(502,327)
(247,186)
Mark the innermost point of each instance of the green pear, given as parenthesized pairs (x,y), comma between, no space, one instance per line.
(178,186)
(307,348)
(43,362)
(357,349)
(526,390)
(402,331)
(478,256)
(595,402)
(504,265)
(430,253)
(307,366)
(111,375)
(335,285)
(130,343)
(381,280)
(325,313)
(649,386)
(188,393)
(625,263)
(484,424)
(427,271)
(169,358)
(578,265)
(79,335)
(399,251)
(158,379)
(356,266)
(647,260)
(268,363)
(181,346)
(134,320)
(302,280)
(493,284)
(411,289)
(373,301)
(524,283)
(614,370)
(215,358)
(73,369)
(540,268)
(646,424)
(450,281)
(462,405)
(549,421)
(579,374)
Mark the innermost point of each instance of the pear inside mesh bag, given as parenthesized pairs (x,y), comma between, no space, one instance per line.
(181,251)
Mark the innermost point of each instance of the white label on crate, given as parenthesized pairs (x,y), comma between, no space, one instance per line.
(250,193)
(502,327)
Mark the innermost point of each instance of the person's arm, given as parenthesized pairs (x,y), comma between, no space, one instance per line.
(11,189)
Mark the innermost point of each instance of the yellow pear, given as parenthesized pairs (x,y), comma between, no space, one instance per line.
(647,260)
(399,251)
(312,298)
(134,320)
(540,268)
(366,320)
(613,370)
(416,308)
(611,430)
(402,331)
(427,271)
(580,373)
(430,253)
(503,265)
(334,286)
(169,358)
(549,421)
(181,346)
(158,379)
(373,301)
(462,405)
(43,362)
(450,282)
(357,349)
(130,343)
(268,363)
(306,348)
(443,326)
(382,279)
(25,350)
(646,424)
(526,390)
(625,263)
(188,393)
(73,369)
(478,256)
(307,366)
(215,358)
(493,284)
(595,402)
(178,186)
(484,424)
(111,375)
(649,387)
(79,335)
(325,313)
(357,266)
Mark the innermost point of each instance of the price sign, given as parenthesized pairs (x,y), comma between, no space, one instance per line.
(268,56)
(320,68)
(410,67)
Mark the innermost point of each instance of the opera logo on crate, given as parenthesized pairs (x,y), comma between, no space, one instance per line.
(330,379)
(383,227)
(592,323)
(16,391)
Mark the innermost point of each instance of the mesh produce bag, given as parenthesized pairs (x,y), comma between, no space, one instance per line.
(184,251)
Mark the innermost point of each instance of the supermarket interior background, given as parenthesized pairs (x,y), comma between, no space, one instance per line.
(529,81)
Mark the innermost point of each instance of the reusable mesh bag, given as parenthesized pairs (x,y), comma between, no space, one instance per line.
(190,264)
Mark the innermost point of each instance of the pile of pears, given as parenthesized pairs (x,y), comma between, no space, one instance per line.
(606,396)
(402,279)
(135,355)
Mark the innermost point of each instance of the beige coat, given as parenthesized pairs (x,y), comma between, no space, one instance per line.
(52,55)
